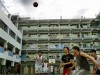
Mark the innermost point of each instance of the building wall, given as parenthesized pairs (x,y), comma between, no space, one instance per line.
(54,36)
(9,39)
(8,22)
(10,43)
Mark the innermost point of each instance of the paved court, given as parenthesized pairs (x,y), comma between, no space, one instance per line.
(49,74)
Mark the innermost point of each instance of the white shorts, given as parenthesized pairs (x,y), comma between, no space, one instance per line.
(51,70)
(38,69)
(45,70)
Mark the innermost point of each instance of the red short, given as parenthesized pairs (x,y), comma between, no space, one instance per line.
(66,71)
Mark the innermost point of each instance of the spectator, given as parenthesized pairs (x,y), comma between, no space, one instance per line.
(19,68)
(16,69)
(3,71)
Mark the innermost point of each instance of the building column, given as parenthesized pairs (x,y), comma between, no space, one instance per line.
(20,52)
(26,69)
(80,35)
(8,30)
(6,45)
(12,67)
(79,26)
(16,37)
(14,49)
(21,41)
(16,24)
(3,64)
(9,16)
(20,55)
(89,25)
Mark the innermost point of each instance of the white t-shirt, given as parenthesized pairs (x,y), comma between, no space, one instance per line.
(98,60)
(45,65)
(38,62)
(51,68)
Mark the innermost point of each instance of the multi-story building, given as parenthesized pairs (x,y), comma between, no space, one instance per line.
(51,35)
(46,35)
(10,40)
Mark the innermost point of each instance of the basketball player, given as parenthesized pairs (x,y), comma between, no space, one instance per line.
(38,63)
(45,67)
(51,69)
(82,62)
(97,58)
(66,61)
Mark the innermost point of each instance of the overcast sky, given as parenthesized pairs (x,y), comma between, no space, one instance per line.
(54,8)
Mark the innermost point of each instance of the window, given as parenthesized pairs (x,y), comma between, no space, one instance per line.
(17,52)
(10,49)
(63,24)
(12,34)
(35,34)
(18,40)
(2,44)
(24,34)
(3,25)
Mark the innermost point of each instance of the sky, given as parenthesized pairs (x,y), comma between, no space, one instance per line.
(54,8)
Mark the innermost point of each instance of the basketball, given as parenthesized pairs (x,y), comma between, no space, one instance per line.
(35,4)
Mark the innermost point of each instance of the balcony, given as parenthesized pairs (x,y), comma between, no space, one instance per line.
(3,26)
(50,28)
(70,36)
(9,39)
(29,57)
(73,27)
(9,56)
(58,46)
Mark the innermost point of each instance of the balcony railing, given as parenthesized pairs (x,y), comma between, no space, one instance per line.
(61,37)
(23,56)
(50,17)
(60,46)
(10,53)
(3,8)
(1,49)
(57,28)
(17,56)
